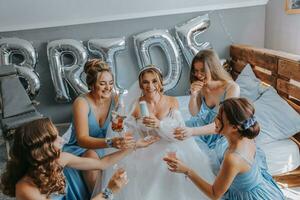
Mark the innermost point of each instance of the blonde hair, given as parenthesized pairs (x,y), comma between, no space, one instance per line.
(92,68)
(157,73)
(211,61)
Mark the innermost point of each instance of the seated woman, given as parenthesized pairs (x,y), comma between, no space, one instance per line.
(210,85)
(151,179)
(242,173)
(91,117)
(35,170)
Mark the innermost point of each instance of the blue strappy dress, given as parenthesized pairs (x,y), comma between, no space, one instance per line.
(255,184)
(205,116)
(57,197)
(77,189)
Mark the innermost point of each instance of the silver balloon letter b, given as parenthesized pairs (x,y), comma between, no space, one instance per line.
(15,46)
(162,38)
(71,74)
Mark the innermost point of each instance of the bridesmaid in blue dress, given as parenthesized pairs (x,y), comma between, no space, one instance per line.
(35,170)
(242,166)
(210,85)
(91,118)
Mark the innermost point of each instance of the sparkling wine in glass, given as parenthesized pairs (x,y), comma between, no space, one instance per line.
(171,152)
(117,122)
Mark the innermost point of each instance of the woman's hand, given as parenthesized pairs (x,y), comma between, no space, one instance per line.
(125,142)
(196,87)
(129,141)
(142,143)
(117,142)
(151,122)
(175,165)
(118,181)
(183,133)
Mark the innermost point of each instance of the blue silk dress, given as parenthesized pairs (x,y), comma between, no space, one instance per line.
(205,116)
(255,184)
(77,189)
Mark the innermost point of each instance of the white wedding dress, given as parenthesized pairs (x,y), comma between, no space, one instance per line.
(149,177)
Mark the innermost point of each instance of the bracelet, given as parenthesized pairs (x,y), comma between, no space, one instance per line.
(109,142)
(107,194)
(186,174)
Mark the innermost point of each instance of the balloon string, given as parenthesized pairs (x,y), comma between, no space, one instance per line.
(221,18)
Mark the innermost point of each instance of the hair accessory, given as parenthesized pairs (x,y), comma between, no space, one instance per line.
(107,194)
(149,67)
(248,122)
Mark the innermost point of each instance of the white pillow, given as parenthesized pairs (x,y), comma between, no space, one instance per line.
(250,86)
(277,119)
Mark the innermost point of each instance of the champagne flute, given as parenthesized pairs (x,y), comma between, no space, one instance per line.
(117,123)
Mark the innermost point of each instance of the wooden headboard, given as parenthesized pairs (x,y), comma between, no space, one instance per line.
(279,69)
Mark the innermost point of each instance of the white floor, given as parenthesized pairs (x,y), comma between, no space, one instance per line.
(292,193)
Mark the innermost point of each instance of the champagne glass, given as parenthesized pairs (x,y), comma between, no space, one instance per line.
(117,123)
(171,152)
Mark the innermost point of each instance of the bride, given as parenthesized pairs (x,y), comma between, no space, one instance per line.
(149,178)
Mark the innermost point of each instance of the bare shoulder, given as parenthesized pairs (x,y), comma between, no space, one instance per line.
(80,100)
(232,90)
(231,160)
(80,103)
(25,189)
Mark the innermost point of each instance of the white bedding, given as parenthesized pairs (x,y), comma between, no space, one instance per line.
(282,156)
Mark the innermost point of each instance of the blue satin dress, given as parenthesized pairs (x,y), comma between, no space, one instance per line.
(77,189)
(205,116)
(255,184)
(57,197)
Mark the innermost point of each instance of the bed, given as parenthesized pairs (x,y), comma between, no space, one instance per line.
(282,71)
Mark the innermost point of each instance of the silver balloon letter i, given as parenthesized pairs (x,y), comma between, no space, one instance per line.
(107,50)
(162,38)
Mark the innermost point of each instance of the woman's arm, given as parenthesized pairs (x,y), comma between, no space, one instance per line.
(195,97)
(80,114)
(194,104)
(229,170)
(116,183)
(83,163)
(183,133)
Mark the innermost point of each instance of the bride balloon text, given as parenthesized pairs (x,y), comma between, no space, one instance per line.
(71,74)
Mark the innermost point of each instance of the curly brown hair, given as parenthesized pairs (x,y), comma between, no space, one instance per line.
(34,154)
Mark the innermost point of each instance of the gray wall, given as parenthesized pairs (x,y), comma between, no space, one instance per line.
(282,30)
(246,25)
(32,14)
